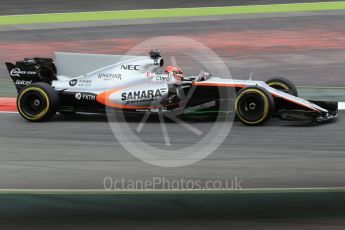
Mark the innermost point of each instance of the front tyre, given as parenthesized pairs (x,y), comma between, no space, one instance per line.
(37,102)
(283,84)
(254,105)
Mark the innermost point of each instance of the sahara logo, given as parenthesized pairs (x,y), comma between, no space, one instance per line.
(144,94)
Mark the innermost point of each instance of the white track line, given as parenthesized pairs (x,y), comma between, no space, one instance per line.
(8,112)
(341,105)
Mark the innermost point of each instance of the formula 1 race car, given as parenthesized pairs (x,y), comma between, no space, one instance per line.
(137,85)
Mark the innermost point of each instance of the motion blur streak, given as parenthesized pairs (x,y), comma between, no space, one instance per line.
(231,42)
(8,105)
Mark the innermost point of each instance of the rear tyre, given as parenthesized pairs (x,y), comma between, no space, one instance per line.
(37,102)
(284,85)
(254,105)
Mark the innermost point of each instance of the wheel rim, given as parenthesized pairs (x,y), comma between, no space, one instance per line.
(33,103)
(251,107)
(280,86)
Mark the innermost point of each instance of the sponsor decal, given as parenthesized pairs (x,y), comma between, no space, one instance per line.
(84,82)
(78,96)
(85,96)
(80,82)
(163,78)
(16,72)
(142,95)
(22,82)
(73,82)
(130,67)
(148,74)
(110,76)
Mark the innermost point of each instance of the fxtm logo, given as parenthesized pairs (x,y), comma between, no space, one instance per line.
(73,82)
(130,67)
(85,96)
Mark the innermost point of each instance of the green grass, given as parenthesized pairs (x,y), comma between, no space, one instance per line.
(166,13)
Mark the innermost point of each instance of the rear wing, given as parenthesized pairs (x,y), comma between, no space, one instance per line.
(31,70)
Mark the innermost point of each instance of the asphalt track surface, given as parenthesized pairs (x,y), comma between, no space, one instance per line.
(312,224)
(79,151)
(7,7)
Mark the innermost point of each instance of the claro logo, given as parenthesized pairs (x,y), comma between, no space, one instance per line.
(130,67)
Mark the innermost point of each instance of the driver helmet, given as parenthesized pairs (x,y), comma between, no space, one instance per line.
(175,71)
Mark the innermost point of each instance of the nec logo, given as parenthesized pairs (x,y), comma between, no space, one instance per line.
(130,67)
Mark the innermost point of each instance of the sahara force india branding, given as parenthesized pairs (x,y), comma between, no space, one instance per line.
(141,96)
(16,72)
